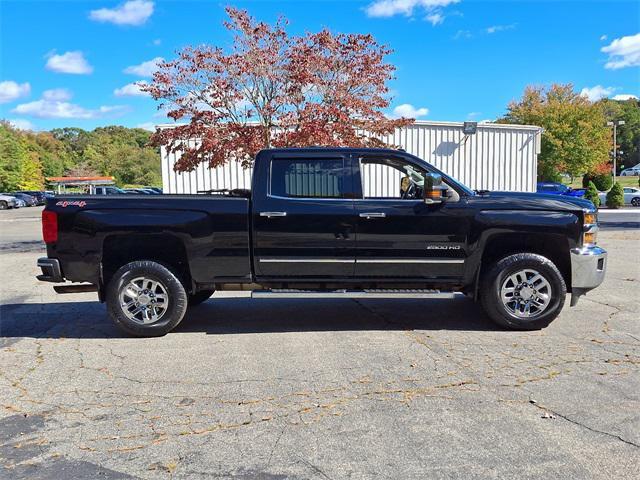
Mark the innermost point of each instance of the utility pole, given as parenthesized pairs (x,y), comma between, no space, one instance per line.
(615,124)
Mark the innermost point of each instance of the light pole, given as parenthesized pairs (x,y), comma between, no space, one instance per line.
(615,126)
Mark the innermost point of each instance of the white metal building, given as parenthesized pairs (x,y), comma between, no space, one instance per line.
(496,157)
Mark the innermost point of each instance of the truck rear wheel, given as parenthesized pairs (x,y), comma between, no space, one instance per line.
(146,299)
(524,291)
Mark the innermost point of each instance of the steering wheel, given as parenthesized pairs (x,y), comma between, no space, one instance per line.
(410,192)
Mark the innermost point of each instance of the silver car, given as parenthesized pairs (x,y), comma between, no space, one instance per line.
(7,201)
(631,196)
(630,172)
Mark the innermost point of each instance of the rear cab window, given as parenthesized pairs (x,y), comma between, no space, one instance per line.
(308,178)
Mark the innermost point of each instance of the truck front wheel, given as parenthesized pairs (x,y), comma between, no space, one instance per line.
(524,291)
(146,299)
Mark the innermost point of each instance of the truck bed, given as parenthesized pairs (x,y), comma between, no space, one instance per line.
(211,232)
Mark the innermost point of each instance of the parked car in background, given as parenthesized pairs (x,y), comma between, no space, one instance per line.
(630,172)
(41,197)
(28,200)
(7,202)
(109,191)
(18,201)
(555,188)
(631,196)
(157,190)
(142,191)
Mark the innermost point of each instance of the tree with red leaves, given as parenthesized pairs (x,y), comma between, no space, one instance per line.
(272,90)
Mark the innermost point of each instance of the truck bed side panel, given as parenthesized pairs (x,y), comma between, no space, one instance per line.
(213,230)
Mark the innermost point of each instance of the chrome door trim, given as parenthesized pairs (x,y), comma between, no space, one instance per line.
(411,260)
(353,260)
(307,260)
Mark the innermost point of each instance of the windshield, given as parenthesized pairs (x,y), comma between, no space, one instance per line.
(445,178)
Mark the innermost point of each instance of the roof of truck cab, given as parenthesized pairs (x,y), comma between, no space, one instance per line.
(330,149)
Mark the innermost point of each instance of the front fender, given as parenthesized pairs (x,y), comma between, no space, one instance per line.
(535,230)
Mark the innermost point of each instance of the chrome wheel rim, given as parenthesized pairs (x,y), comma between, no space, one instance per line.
(144,300)
(526,293)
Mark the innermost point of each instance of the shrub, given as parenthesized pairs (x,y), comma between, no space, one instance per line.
(602,181)
(592,194)
(615,197)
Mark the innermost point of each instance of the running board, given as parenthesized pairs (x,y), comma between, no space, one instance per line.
(82,288)
(390,293)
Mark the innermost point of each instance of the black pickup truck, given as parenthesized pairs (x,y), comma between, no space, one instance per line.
(318,222)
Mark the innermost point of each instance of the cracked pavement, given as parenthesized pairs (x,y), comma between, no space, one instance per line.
(326,389)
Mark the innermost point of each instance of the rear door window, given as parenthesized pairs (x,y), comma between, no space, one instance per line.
(308,178)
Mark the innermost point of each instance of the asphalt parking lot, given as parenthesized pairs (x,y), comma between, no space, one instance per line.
(326,389)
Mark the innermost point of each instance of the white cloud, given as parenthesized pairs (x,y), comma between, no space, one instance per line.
(407,110)
(596,93)
(133,12)
(57,94)
(145,69)
(500,28)
(390,8)
(623,52)
(54,104)
(624,96)
(69,62)
(603,38)
(21,124)
(147,126)
(10,90)
(131,90)
(462,34)
(157,42)
(435,18)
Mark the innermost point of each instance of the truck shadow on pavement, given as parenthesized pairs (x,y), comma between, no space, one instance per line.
(240,315)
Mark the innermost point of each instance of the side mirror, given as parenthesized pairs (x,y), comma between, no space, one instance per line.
(434,191)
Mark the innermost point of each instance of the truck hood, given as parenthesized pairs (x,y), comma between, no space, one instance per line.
(529,201)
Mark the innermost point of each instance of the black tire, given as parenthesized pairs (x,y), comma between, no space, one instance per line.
(200,297)
(493,280)
(635,201)
(175,292)
(3,205)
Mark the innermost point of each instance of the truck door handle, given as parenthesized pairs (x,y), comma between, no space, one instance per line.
(273,214)
(369,215)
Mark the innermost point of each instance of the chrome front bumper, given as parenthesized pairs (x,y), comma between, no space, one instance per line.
(588,266)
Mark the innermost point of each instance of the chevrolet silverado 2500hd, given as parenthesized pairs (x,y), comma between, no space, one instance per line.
(317,224)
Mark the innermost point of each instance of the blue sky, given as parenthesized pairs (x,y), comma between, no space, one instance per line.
(71,63)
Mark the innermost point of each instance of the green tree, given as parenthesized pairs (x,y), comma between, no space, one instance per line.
(592,194)
(629,133)
(602,181)
(31,174)
(27,157)
(575,139)
(12,154)
(615,196)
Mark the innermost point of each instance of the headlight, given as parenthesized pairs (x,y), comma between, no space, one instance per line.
(590,229)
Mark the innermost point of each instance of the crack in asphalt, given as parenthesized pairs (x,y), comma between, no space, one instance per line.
(580,424)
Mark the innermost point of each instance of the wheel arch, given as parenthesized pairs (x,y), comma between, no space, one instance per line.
(165,249)
(553,246)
